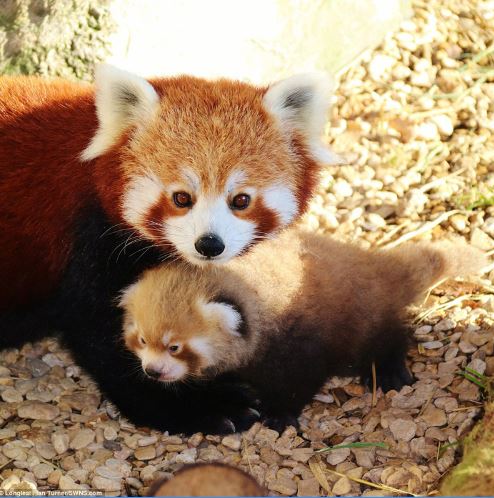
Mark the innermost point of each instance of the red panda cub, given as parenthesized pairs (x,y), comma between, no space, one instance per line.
(287,315)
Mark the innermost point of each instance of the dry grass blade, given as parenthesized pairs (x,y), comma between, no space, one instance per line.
(8,462)
(478,57)
(426,227)
(318,471)
(358,444)
(382,487)
(389,236)
(244,444)
(447,305)
(452,177)
(374,384)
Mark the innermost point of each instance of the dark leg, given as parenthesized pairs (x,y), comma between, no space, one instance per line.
(389,354)
(287,376)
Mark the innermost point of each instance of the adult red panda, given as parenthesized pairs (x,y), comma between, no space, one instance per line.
(98,184)
(288,315)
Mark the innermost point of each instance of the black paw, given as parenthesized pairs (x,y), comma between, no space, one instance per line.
(280,422)
(235,394)
(228,421)
(390,378)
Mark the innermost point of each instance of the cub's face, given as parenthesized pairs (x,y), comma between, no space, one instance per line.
(173,346)
(211,167)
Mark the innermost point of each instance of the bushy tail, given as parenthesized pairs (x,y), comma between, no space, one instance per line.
(418,266)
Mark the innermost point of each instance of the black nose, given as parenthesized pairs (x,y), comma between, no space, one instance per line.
(209,245)
(154,374)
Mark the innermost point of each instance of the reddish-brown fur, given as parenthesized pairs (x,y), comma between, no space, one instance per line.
(45,126)
(43,129)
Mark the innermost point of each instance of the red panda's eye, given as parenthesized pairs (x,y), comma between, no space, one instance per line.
(142,340)
(174,348)
(182,199)
(240,201)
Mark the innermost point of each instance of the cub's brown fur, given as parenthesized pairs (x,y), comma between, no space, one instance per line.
(209,479)
(293,312)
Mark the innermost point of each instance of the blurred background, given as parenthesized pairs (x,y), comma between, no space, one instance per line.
(257,40)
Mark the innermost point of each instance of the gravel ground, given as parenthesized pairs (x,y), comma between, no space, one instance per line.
(414,121)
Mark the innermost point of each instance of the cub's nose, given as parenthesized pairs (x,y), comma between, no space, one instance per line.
(154,374)
(209,245)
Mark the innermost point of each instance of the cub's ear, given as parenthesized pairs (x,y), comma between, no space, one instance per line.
(301,102)
(122,99)
(227,314)
(126,296)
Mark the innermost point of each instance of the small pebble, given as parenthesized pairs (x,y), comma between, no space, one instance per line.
(145,453)
(104,484)
(11,396)
(423,330)
(342,486)
(233,442)
(444,325)
(66,483)
(38,411)
(337,456)
(110,433)
(432,344)
(403,430)
(60,442)
(82,439)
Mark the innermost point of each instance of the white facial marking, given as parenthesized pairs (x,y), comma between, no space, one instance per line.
(235,179)
(143,192)
(171,369)
(192,178)
(202,346)
(166,338)
(281,200)
(209,215)
(122,99)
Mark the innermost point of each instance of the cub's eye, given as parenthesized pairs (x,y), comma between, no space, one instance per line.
(182,199)
(240,201)
(174,348)
(142,341)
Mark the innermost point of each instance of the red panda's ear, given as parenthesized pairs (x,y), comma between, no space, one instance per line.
(122,99)
(229,318)
(126,295)
(301,103)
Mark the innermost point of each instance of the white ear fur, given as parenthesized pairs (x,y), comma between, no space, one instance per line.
(126,295)
(302,102)
(227,314)
(122,99)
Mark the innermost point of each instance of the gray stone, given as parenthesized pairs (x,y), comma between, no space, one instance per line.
(83,438)
(38,367)
(37,411)
(403,430)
